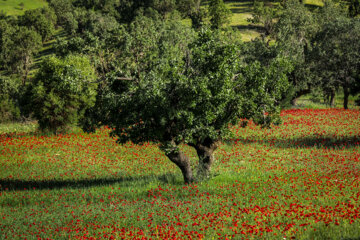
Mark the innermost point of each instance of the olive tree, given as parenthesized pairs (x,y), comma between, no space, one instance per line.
(294,32)
(337,55)
(190,94)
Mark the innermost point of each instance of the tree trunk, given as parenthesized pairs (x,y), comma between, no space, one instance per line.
(183,162)
(294,101)
(346,97)
(332,99)
(205,151)
(26,69)
(299,94)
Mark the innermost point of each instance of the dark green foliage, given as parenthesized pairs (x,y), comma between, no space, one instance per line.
(41,20)
(61,9)
(354,8)
(88,30)
(61,92)
(294,32)
(180,90)
(138,50)
(338,55)
(9,92)
(19,45)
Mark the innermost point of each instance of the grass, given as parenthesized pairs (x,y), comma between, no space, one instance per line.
(309,102)
(17,127)
(241,12)
(314,2)
(18,7)
(297,180)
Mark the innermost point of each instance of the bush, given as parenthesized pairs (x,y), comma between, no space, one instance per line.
(63,90)
(9,90)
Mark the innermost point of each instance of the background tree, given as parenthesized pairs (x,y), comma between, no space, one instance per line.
(41,20)
(193,10)
(338,55)
(19,49)
(264,15)
(61,92)
(6,30)
(219,13)
(294,33)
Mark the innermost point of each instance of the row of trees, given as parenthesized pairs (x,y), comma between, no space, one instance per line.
(322,44)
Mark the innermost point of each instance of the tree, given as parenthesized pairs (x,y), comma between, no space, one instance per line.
(61,9)
(193,10)
(219,13)
(264,15)
(42,20)
(190,94)
(294,32)
(6,30)
(18,50)
(338,55)
(61,92)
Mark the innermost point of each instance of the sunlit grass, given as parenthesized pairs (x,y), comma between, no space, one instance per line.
(17,7)
(314,2)
(308,101)
(17,127)
(241,12)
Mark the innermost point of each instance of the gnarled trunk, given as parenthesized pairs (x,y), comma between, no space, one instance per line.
(205,151)
(183,162)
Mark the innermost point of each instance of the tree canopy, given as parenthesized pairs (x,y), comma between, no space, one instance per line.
(191,93)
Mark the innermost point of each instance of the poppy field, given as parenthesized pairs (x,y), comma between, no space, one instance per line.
(298,180)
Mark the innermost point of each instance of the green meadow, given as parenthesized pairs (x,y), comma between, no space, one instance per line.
(299,180)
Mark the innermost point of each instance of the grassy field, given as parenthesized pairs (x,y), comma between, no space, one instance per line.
(17,7)
(241,12)
(298,180)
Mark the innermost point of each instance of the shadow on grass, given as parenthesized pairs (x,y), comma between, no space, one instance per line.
(245,8)
(328,142)
(24,185)
(249,27)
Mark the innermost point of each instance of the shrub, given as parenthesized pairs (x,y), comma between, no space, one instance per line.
(62,91)
(9,89)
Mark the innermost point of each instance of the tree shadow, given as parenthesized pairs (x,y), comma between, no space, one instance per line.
(316,141)
(249,27)
(25,185)
(242,8)
(312,7)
